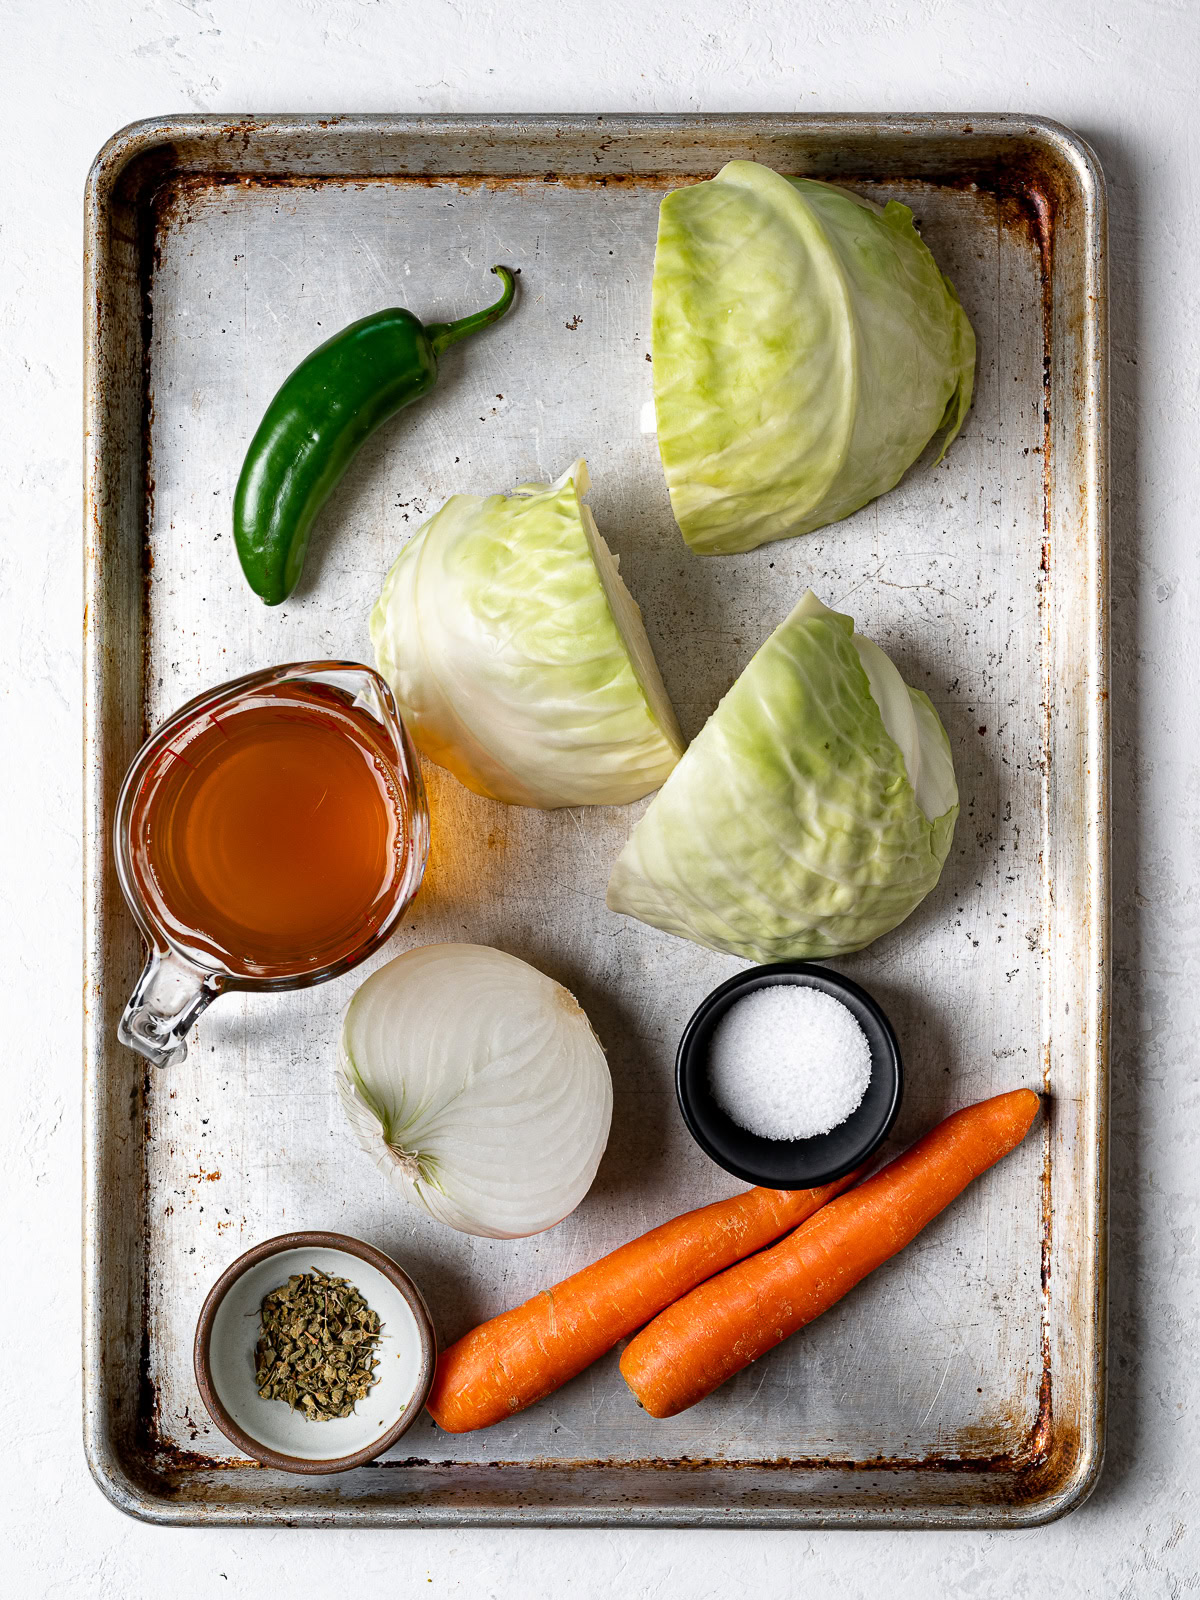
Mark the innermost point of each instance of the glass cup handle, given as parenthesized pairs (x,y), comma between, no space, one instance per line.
(169,996)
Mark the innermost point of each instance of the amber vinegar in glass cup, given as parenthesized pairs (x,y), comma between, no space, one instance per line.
(268,836)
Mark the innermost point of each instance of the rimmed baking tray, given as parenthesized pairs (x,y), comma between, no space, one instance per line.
(961,1385)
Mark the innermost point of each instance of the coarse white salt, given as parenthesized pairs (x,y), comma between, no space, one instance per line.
(788,1062)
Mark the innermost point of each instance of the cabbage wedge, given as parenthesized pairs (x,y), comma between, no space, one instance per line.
(811,814)
(517,655)
(806,350)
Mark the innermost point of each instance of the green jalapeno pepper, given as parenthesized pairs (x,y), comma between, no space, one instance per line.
(326,409)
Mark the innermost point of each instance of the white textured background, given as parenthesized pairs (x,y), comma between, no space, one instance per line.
(1123,74)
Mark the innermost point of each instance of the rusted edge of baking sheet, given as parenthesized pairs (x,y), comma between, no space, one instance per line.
(1034,163)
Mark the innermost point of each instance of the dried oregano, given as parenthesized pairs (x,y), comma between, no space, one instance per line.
(316,1350)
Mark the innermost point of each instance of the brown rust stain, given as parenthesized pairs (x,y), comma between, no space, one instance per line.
(149,260)
(1040,1445)
(154,1460)
(1047,1203)
(173,199)
(244,129)
(1023,198)
(1041,1463)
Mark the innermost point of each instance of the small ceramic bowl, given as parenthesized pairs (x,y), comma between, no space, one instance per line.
(268,1430)
(789,1163)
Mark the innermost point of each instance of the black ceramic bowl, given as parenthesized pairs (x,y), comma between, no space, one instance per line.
(789,1163)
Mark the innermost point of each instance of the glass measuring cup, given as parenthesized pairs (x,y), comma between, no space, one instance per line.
(269,835)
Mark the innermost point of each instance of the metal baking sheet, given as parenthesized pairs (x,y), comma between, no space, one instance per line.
(963,1384)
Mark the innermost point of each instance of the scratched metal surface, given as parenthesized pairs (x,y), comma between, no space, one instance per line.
(963,1382)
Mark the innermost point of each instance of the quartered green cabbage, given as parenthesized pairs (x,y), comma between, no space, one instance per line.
(813,811)
(517,655)
(806,350)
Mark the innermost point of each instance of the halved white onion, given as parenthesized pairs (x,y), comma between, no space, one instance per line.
(476,1083)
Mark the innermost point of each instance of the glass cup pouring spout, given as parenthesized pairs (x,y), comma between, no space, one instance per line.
(218,808)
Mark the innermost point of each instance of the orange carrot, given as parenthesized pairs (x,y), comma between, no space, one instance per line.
(525,1354)
(731,1320)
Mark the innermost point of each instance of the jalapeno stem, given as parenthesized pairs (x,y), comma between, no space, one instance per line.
(443,334)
